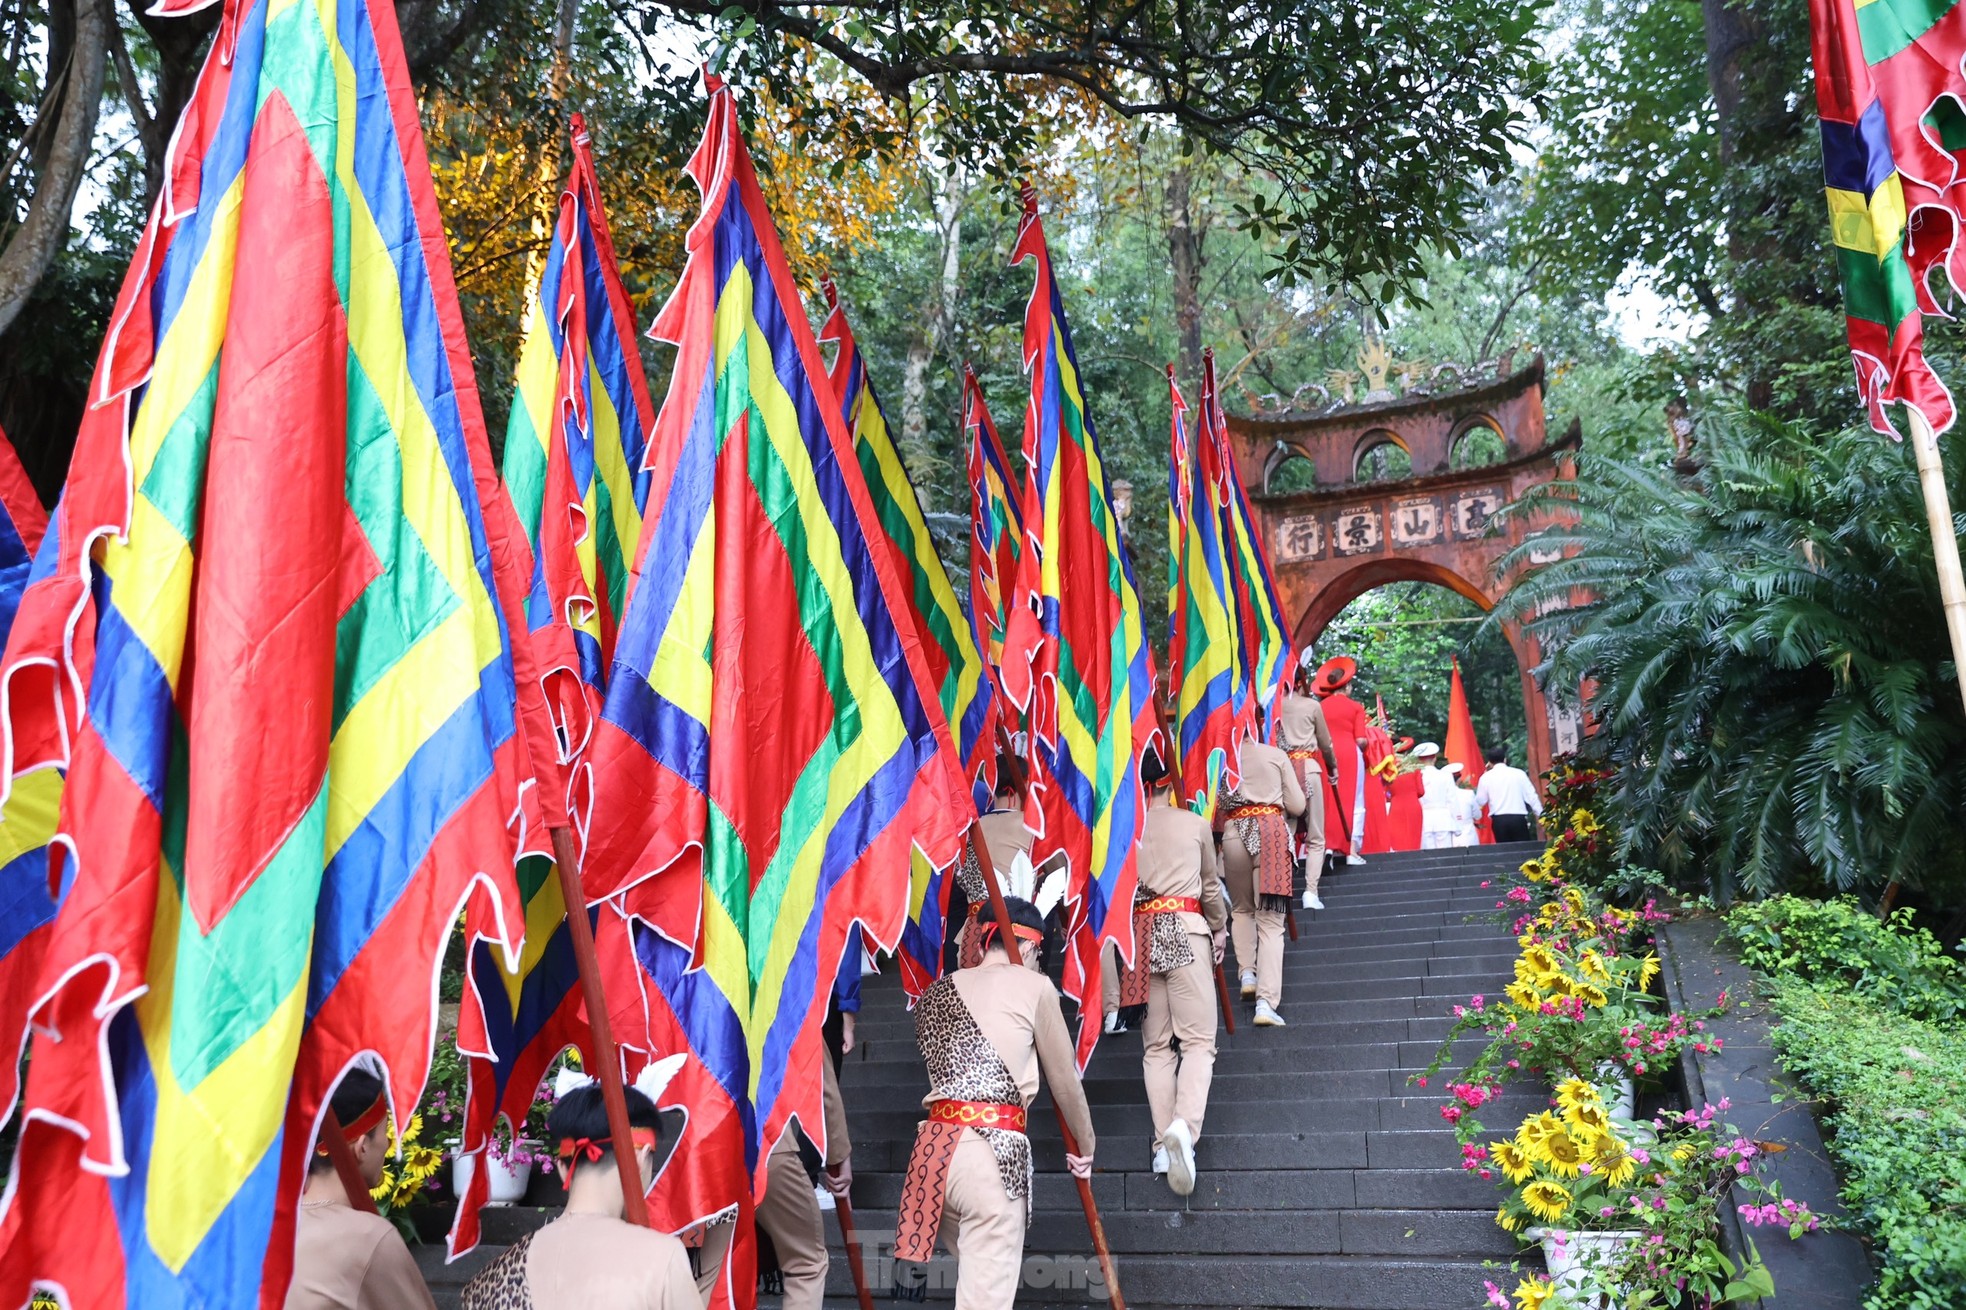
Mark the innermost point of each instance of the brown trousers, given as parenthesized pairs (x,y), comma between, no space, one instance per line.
(1258,933)
(983,1228)
(790,1214)
(1181,1003)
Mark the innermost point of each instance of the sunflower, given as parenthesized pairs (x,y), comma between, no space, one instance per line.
(1648,969)
(1591,996)
(1523,995)
(1564,1152)
(1512,1159)
(1547,1200)
(1590,1115)
(1614,1163)
(1592,966)
(1508,1222)
(1537,1129)
(1573,1092)
(1540,961)
(1534,1293)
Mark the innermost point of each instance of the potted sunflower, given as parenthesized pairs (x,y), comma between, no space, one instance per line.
(1569,1175)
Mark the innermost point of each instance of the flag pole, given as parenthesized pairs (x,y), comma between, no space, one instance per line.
(1945,541)
(345,1167)
(850,1239)
(614,1095)
(988,866)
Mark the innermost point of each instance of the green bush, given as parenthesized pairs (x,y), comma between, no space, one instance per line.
(1901,967)
(1894,1091)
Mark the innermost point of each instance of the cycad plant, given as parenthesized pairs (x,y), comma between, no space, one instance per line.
(1767,657)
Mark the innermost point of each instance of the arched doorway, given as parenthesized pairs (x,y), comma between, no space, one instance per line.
(1343,527)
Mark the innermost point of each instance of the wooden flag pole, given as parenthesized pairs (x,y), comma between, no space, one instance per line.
(614,1095)
(850,1239)
(336,1139)
(1009,940)
(1945,541)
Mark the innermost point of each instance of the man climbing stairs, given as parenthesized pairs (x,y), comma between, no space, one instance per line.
(1326,1179)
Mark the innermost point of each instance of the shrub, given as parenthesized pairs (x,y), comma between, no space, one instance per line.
(1895,1094)
(1900,967)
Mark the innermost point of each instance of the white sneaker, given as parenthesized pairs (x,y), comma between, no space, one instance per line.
(1160,1160)
(1311,902)
(1248,984)
(1179,1143)
(826,1201)
(1112,1021)
(1355,859)
(1267,1017)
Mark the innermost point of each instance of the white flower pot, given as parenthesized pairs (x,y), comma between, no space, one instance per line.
(1616,1089)
(506,1182)
(1571,1255)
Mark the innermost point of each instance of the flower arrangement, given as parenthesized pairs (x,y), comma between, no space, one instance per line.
(1667,1200)
(411,1166)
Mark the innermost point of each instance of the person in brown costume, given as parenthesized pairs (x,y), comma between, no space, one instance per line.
(984,1034)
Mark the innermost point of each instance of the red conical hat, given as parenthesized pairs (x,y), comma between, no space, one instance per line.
(1334,673)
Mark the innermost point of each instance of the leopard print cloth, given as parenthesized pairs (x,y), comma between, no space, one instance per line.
(964,1066)
(1160,945)
(501,1285)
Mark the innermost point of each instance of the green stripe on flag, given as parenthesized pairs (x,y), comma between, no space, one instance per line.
(175,486)
(1877,291)
(1890,26)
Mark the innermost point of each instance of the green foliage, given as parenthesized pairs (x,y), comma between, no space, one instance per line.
(1888,961)
(1895,1094)
(1405,638)
(1772,679)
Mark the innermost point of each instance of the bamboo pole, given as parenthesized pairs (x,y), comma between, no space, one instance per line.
(350,1173)
(850,1239)
(614,1094)
(1009,939)
(1945,541)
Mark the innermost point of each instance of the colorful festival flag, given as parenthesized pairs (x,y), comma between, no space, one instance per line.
(968,694)
(1212,708)
(996,527)
(1263,641)
(1460,745)
(1075,657)
(573,468)
(772,745)
(29,865)
(284,588)
(1891,95)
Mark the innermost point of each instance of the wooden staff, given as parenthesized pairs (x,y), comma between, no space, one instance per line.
(1945,542)
(1009,940)
(613,1091)
(843,1211)
(1222,995)
(350,1173)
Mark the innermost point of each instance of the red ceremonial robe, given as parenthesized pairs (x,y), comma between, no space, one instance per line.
(1346,719)
(1403,813)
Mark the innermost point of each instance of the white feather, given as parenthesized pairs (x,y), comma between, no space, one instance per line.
(568,1080)
(651,1081)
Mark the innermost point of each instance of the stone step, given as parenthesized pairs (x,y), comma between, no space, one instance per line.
(1165,1282)
(1270,1231)
(1416,1108)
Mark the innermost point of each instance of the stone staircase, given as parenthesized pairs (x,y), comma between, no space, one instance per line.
(1326,1179)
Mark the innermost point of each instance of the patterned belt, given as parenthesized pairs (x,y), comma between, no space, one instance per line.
(1170,905)
(978,1114)
(976,908)
(1305,755)
(1253,811)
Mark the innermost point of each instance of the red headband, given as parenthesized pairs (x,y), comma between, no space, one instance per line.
(362,1126)
(1017,930)
(588,1147)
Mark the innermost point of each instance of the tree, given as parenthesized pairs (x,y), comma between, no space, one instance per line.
(1771,669)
